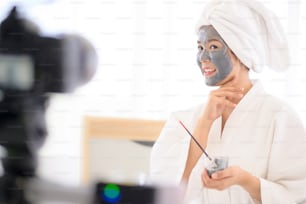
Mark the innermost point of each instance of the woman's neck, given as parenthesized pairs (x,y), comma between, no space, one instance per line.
(246,86)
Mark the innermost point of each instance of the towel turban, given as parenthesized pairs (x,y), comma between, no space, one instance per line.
(252,31)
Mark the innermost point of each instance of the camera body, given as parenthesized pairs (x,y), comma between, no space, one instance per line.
(31,67)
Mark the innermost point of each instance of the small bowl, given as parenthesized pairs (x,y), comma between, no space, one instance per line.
(217,164)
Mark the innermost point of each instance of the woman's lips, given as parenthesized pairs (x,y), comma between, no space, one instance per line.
(208,72)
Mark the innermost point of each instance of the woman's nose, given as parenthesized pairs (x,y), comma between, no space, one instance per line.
(204,56)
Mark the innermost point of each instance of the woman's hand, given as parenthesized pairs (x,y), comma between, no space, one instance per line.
(223,179)
(230,176)
(220,99)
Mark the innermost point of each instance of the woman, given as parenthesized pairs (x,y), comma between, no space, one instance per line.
(261,135)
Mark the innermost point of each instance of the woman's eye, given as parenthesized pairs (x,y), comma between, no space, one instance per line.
(200,48)
(213,47)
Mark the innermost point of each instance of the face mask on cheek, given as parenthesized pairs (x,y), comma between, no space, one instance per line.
(219,58)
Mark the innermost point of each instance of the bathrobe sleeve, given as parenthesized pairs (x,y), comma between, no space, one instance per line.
(286,174)
(169,153)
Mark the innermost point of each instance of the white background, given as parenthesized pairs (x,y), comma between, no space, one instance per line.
(147,68)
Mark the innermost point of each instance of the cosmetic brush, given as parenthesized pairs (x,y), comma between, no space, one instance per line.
(194,139)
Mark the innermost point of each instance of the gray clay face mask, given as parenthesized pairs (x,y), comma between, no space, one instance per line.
(212,48)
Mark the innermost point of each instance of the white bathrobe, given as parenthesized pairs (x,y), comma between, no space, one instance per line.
(263,136)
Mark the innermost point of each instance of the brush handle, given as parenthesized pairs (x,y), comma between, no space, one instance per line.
(194,139)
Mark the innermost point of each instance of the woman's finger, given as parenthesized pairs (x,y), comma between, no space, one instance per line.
(225,173)
(211,183)
(230,88)
(223,102)
(229,95)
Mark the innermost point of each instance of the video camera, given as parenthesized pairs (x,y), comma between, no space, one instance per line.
(31,67)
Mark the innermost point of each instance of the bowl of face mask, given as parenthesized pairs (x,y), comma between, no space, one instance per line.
(216,164)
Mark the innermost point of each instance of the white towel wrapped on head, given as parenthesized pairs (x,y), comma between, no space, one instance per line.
(252,31)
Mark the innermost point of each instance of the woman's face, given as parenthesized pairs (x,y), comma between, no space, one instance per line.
(213,56)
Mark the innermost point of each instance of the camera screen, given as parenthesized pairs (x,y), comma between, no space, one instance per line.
(109,193)
(16,72)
